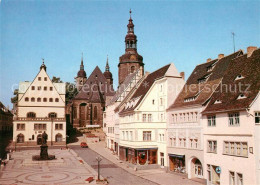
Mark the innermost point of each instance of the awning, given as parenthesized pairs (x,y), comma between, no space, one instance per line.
(175,155)
(145,149)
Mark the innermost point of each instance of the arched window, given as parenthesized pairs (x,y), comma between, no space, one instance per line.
(95,112)
(31,115)
(50,100)
(58,138)
(44,99)
(39,99)
(20,138)
(32,99)
(56,99)
(26,99)
(52,115)
(132,69)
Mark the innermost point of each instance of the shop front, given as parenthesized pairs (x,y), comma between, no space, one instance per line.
(177,163)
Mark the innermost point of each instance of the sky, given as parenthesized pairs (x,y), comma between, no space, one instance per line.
(185,33)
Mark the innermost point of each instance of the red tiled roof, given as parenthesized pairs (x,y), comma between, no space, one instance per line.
(201,92)
(249,86)
(146,85)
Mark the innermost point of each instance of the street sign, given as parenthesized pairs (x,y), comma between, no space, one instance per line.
(218,169)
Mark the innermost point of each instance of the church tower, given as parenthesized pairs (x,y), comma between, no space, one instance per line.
(131,60)
(108,74)
(81,77)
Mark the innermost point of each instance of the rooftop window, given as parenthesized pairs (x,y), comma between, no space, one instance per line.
(239,77)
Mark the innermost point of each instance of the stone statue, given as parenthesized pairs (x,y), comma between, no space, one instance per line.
(44,138)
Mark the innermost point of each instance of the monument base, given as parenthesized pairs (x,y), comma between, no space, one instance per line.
(43,155)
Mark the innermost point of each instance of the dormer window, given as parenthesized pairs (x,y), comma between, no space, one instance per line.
(239,77)
(211,67)
(203,79)
(218,101)
(241,96)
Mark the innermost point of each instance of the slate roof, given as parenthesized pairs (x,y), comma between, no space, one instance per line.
(87,92)
(145,86)
(249,69)
(201,92)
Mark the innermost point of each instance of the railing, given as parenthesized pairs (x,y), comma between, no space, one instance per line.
(38,119)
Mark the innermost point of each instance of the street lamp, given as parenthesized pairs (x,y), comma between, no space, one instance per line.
(98,158)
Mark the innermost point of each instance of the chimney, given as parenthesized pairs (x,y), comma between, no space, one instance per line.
(182,75)
(250,50)
(209,59)
(220,56)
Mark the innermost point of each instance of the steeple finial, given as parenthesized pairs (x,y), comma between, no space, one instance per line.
(107,65)
(82,65)
(43,65)
(130,12)
(42,60)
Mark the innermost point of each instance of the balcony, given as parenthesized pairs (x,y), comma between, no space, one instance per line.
(38,119)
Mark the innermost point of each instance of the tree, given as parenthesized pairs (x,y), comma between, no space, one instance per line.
(15,98)
(56,79)
(71,91)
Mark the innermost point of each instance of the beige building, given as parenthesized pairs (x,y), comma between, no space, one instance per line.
(41,108)
(185,130)
(231,124)
(142,125)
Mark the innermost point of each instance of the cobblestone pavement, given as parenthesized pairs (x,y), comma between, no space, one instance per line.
(114,174)
(66,170)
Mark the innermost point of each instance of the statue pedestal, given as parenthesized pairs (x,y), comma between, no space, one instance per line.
(44,152)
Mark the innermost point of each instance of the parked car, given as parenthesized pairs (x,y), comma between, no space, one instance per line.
(84,145)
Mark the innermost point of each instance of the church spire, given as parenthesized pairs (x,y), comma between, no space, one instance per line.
(82,65)
(107,65)
(130,38)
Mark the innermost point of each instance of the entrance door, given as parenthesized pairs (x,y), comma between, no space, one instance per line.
(82,114)
(162,159)
(126,154)
(39,139)
(198,169)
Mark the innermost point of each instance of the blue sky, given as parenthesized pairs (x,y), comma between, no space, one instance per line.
(183,32)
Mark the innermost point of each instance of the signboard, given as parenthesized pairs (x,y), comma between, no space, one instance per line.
(218,169)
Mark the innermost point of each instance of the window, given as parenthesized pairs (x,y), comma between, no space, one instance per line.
(45,78)
(161,101)
(236,148)
(153,102)
(212,146)
(39,126)
(239,179)
(131,135)
(180,142)
(38,99)
(257,117)
(58,126)
(39,88)
(231,178)
(33,88)
(39,78)
(161,117)
(184,142)
(45,88)
(126,133)
(149,117)
(144,117)
(50,99)
(26,99)
(147,135)
(51,88)
(44,99)
(56,99)
(20,126)
(132,69)
(233,119)
(58,138)
(32,99)
(52,115)
(211,121)
(95,112)
(31,115)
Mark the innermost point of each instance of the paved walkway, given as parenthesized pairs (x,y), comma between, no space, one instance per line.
(158,176)
(66,170)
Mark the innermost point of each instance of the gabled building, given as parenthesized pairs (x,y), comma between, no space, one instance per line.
(87,107)
(185,130)
(231,124)
(6,120)
(40,108)
(142,124)
(111,117)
